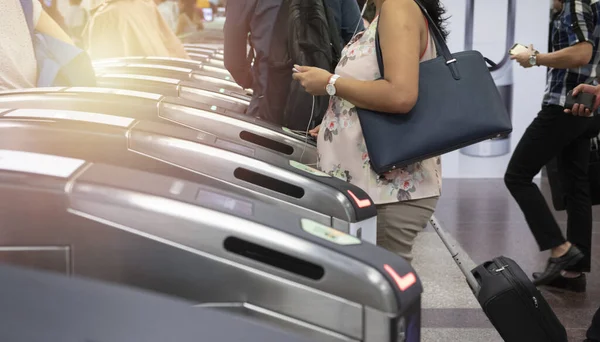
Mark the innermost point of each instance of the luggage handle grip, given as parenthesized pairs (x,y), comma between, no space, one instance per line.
(473,283)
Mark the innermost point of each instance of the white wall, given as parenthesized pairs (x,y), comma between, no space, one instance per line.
(532,19)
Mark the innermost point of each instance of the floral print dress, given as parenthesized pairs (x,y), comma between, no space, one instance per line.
(341,145)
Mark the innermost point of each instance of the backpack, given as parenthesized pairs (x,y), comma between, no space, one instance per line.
(305,33)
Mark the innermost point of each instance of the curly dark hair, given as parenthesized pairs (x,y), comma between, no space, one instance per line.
(436,11)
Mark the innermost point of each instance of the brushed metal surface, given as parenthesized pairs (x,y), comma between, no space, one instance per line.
(223,164)
(207,121)
(108,146)
(158,243)
(143,108)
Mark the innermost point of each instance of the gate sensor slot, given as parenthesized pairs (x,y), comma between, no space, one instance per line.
(274,258)
(268,182)
(266,142)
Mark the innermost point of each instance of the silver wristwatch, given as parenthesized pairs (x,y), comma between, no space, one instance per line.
(533,59)
(330,88)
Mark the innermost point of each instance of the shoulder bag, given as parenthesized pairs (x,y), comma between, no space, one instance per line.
(458,105)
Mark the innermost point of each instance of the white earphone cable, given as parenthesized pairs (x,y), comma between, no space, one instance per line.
(362,14)
(312,113)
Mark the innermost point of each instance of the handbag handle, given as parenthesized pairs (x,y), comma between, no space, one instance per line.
(439,41)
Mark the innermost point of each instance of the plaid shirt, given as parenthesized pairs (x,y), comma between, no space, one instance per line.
(578,22)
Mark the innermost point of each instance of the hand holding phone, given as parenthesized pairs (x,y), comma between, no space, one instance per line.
(584,99)
(517,49)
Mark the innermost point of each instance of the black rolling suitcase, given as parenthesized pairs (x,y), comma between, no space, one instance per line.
(512,303)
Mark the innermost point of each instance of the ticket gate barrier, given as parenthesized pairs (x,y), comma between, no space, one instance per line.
(212,48)
(166,235)
(175,88)
(207,60)
(185,153)
(209,53)
(212,52)
(231,126)
(169,61)
(207,83)
(89,310)
(205,36)
(212,75)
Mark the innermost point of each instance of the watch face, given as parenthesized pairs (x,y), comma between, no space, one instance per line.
(330,89)
(532,60)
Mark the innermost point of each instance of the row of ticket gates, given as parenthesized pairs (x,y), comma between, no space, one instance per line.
(156,180)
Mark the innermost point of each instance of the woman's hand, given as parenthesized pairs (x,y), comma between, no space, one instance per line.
(314,80)
(315,131)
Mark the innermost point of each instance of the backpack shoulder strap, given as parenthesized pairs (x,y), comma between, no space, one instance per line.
(334,35)
(27,7)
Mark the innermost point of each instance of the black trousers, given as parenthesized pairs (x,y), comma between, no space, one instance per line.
(554,133)
(593,332)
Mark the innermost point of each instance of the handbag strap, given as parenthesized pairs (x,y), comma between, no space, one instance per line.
(438,38)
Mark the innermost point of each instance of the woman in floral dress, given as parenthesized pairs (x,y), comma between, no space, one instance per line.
(406,198)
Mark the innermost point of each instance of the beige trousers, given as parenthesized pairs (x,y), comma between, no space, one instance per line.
(399,223)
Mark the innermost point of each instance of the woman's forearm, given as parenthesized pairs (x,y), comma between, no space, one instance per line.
(48,26)
(377,95)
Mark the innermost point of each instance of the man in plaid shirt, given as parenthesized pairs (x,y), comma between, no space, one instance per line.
(572,60)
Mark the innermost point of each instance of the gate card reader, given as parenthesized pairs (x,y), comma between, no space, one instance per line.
(148,106)
(162,234)
(44,307)
(182,152)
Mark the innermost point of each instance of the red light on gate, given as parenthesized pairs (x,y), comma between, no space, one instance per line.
(403,282)
(361,203)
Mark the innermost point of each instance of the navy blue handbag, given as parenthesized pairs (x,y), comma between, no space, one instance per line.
(59,63)
(458,105)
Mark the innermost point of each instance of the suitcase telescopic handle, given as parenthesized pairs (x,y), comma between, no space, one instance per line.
(473,283)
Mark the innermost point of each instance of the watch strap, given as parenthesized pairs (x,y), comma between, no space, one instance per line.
(333,78)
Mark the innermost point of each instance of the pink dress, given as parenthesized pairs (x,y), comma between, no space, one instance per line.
(341,145)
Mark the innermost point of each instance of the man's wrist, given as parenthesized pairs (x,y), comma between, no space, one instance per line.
(541,59)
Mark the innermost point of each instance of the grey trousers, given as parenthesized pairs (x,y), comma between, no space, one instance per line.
(399,223)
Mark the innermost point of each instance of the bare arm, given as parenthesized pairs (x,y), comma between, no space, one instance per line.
(47,25)
(402,34)
(574,56)
(180,25)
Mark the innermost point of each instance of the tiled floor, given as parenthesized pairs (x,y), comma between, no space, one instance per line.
(486,222)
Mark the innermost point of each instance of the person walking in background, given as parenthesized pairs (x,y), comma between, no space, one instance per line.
(121,28)
(405,198)
(188,22)
(593,333)
(169,10)
(18,65)
(571,61)
(253,22)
